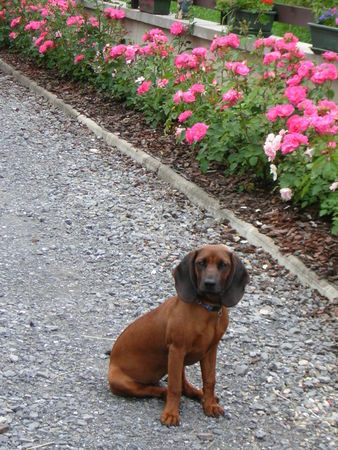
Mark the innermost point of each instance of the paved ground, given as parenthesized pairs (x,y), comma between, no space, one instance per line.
(87,243)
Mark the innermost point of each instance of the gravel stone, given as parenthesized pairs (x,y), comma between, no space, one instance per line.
(88,240)
(260,435)
(3,428)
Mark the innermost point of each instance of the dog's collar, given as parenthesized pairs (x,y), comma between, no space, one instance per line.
(213,308)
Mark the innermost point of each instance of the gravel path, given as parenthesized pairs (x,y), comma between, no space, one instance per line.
(87,243)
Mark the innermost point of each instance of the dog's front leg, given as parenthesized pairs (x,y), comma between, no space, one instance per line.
(170,415)
(208,369)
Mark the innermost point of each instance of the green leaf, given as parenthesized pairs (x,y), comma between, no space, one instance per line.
(204,165)
(253,161)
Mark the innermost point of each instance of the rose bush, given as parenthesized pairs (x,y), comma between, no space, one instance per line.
(59,34)
(269,112)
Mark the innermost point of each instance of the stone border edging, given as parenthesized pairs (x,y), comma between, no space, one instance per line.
(195,194)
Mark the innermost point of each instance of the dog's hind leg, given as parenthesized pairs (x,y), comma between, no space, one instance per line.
(122,384)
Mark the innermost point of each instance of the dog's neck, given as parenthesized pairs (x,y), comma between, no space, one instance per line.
(210,307)
(209,301)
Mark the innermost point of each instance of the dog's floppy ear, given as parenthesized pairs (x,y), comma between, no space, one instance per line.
(237,281)
(185,278)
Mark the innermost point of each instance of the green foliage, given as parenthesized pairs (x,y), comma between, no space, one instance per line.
(247,5)
(310,3)
(303,33)
(311,179)
(217,104)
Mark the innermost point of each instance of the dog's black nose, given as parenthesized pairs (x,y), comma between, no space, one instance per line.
(209,284)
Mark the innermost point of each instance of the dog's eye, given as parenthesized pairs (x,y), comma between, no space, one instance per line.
(201,264)
(222,265)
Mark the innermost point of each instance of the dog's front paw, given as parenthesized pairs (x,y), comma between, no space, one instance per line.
(170,419)
(213,410)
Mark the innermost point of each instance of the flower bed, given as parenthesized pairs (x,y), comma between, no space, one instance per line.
(271,115)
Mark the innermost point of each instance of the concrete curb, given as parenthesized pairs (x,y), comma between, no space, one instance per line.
(195,194)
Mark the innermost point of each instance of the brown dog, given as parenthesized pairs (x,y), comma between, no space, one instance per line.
(181,331)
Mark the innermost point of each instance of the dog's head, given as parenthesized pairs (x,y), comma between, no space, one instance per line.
(212,273)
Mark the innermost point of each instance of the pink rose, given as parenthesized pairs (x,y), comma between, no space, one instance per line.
(186,61)
(288,43)
(259,43)
(148,36)
(330,56)
(286,194)
(15,22)
(197,88)
(269,74)
(44,12)
(292,141)
(93,22)
(231,40)
(112,13)
(297,124)
(196,132)
(188,97)
(130,52)
(178,96)
(144,87)
(269,41)
(239,68)
(295,94)
(324,124)
(308,107)
(117,51)
(272,145)
(78,58)
(45,46)
(40,39)
(146,50)
(284,110)
(305,69)
(155,35)
(324,72)
(232,96)
(180,79)
(178,28)
(200,52)
(179,131)
(266,42)
(75,20)
(325,106)
(294,81)
(184,116)
(334,186)
(161,83)
(35,25)
(271,57)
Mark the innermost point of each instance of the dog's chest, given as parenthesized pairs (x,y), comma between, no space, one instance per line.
(205,337)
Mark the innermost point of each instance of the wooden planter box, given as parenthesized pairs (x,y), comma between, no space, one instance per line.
(205,3)
(294,15)
(252,20)
(155,6)
(323,38)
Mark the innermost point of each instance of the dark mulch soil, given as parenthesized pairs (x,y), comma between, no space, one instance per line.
(295,231)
